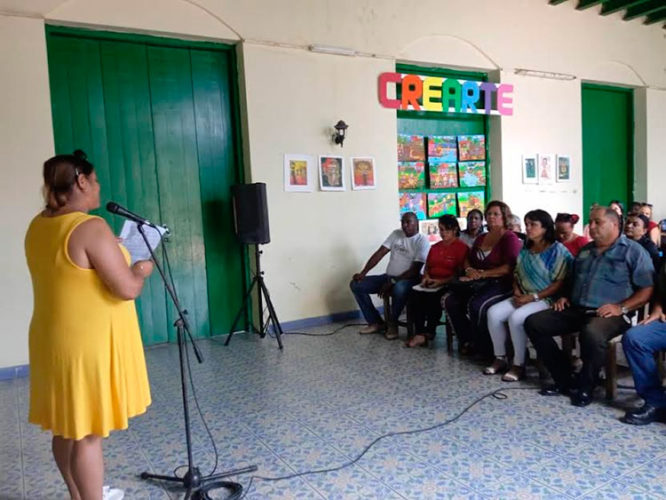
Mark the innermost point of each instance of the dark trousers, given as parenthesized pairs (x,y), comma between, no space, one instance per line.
(467,309)
(640,345)
(594,334)
(426,311)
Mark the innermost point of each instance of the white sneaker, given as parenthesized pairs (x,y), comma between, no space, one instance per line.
(109,493)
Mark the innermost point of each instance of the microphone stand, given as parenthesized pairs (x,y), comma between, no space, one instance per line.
(197,485)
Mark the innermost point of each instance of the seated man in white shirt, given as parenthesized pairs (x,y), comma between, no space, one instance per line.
(408,249)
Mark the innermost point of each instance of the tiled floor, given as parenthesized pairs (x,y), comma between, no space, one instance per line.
(321,401)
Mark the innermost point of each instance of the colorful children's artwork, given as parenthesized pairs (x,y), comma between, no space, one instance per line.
(563,168)
(546,168)
(471,147)
(472,173)
(441,203)
(298,173)
(442,174)
(467,200)
(413,202)
(411,175)
(430,228)
(331,173)
(411,147)
(530,169)
(442,147)
(363,173)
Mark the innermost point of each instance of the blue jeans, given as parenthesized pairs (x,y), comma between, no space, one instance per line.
(373,284)
(640,344)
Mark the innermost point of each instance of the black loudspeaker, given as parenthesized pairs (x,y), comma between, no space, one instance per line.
(251,213)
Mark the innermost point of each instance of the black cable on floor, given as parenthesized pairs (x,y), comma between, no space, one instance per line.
(306,334)
(496,394)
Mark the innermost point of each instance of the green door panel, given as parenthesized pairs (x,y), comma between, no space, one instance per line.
(132,177)
(170,81)
(157,118)
(217,171)
(607,145)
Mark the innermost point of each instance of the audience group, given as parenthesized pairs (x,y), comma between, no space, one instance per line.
(501,287)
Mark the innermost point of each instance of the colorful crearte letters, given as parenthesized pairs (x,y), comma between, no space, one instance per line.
(431,93)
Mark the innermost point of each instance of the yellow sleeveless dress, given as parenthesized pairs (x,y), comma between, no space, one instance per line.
(87,368)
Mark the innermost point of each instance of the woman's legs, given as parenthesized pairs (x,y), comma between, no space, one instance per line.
(498,315)
(87,467)
(455,304)
(62,452)
(517,328)
(477,308)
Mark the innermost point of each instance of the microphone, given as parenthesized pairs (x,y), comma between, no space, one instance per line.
(114,208)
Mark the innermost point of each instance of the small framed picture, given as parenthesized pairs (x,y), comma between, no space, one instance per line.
(430,228)
(546,168)
(530,175)
(563,168)
(298,173)
(363,173)
(331,173)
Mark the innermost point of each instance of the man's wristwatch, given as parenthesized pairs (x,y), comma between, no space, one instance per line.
(624,309)
(535,296)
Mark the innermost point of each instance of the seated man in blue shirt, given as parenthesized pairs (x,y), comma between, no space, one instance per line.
(612,276)
(640,344)
(409,250)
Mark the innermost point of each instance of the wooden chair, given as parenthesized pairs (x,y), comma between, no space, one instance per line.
(408,323)
(569,343)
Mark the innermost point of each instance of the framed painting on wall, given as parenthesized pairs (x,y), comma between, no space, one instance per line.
(298,173)
(331,173)
(363,174)
(530,175)
(563,168)
(546,168)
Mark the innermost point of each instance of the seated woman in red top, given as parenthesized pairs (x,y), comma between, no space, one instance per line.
(445,261)
(564,232)
(488,280)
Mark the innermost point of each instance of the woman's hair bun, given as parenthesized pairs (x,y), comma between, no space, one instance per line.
(80,154)
(574,218)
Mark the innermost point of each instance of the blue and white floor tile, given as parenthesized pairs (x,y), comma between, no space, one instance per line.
(318,403)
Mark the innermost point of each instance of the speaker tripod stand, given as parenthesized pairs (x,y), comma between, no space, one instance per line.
(262,291)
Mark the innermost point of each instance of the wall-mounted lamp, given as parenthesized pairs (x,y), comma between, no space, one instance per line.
(340,130)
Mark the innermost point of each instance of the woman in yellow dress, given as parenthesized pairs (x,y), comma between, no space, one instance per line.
(87,368)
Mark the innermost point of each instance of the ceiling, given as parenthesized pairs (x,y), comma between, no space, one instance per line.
(651,11)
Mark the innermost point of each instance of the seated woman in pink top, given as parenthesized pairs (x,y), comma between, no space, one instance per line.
(564,232)
(488,280)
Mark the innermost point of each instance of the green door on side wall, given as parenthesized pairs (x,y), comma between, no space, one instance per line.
(608,146)
(155,117)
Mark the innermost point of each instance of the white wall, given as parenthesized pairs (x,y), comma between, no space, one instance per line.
(546,119)
(26,140)
(318,238)
(291,96)
(653,163)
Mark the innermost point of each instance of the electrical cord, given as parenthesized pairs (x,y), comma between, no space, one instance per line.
(496,394)
(327,334)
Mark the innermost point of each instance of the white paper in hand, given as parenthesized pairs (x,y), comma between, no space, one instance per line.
(134,242)
(421,288)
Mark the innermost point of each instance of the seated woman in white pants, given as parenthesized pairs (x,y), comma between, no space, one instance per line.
(541,268)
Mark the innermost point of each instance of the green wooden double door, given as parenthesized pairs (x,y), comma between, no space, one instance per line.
(608,145)
(156,118)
